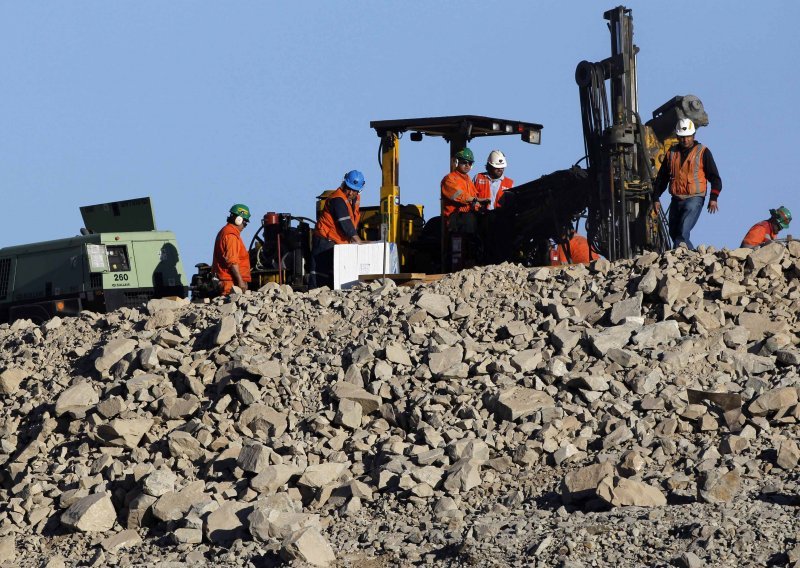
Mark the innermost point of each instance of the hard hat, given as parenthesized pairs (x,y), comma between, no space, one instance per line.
(354,179)
(465,155)
(241,210)
(496,159)
(782,216)
(685,127)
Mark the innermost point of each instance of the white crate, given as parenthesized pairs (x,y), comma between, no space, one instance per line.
(351,261)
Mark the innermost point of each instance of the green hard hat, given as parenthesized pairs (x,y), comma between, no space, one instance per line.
(782,216)
(466,155)
(241,210)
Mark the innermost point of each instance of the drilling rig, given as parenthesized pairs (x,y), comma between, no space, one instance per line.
(623,154)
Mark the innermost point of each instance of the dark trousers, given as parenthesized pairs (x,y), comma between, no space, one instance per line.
(321,263)
(683,216)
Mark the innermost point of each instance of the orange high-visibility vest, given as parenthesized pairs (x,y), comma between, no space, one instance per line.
(229,249)
(758,233)
(688,179)
(457,192)
(483,185)
(328,227)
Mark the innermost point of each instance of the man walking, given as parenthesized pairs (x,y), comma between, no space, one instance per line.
(688,167)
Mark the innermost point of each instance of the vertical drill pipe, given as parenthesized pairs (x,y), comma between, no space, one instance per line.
(280,263)
(612,232)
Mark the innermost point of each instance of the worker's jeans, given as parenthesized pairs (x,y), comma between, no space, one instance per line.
(683,215)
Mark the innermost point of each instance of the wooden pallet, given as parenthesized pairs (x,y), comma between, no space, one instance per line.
(403,278)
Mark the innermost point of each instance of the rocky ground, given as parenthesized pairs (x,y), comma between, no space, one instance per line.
(641,413)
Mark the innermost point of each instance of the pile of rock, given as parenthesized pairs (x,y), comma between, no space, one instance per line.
(424,424)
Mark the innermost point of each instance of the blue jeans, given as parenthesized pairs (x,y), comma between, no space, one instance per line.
(683,215)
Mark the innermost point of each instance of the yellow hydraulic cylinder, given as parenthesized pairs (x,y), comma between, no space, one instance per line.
(390,185)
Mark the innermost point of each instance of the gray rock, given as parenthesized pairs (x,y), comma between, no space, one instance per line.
(254,457)
(267,524)
(128,538)
(8,549)
(519,402)
(526,360)
(624,492)
(308,545)
(656,334)
(113,352)
(397,354)
(160,482)
(77,400)
(322,474)
(774,400)
(440,362)
(225,330)
(582,483)
(368,401)
(174,505)
(630,307)
(228,523)
(721,486)
(127,433)
(788,454)
(94,513)
(437,305)
(184,445)
(273,477)
(247,392)
(10,380)
(611,338)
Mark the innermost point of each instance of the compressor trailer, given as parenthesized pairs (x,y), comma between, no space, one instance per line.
(119,259)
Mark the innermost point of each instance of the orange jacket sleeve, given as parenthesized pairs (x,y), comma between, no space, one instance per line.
(458,189)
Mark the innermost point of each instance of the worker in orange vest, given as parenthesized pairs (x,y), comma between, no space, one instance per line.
(575,251)
(231,261)
(458,192)
(688,167)
(337,225)
(766,231)
(492,183)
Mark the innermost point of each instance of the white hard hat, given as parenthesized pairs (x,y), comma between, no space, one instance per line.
(496,159)
(685,127)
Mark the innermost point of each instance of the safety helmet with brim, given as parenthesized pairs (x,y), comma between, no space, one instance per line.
(782,216)
(241,210)
(354,180)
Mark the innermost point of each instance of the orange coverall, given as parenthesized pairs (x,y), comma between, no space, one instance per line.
(229,249)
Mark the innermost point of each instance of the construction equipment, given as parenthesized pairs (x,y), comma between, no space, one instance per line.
(622,153)
(614,194)
(120,259)
(280,252)
(429,249)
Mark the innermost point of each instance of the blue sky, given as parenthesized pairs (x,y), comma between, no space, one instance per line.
(203,104)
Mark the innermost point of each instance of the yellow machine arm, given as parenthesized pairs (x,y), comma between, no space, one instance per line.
(390,185)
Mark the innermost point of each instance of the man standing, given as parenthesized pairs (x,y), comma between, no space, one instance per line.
(231,264)
(458,192)
(337,225)
(766,231)
(492,183)
(688,167)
